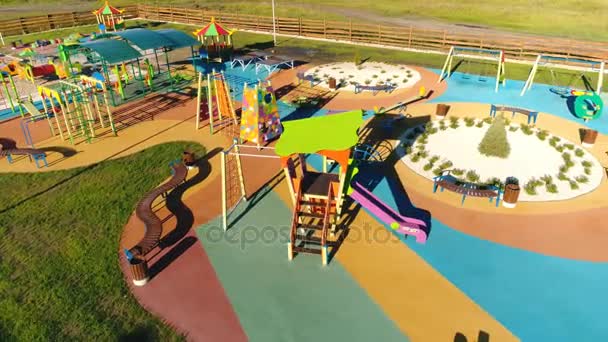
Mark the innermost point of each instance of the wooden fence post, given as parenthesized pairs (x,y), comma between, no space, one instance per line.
(300,26)
(444,38)
(379,34)
(409,40)
(324,28)
(350,29)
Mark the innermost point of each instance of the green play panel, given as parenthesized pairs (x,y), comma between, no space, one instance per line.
(280,300)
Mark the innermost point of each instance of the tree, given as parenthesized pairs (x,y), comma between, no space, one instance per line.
(494,142)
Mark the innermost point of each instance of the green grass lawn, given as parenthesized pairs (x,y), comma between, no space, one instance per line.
(578,19)
(59,241)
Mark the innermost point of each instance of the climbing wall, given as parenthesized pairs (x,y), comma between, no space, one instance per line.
(260,120)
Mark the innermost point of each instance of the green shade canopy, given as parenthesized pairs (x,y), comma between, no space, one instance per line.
(112,50)
(145,39)
(178,39)
(334,132)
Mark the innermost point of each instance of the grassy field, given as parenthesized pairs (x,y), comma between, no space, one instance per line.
(578,19)
(59,241)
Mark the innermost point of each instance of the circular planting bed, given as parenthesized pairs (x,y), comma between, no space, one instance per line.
(485,151)
(369,73)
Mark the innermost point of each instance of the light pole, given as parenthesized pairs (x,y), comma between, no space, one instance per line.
(274,27)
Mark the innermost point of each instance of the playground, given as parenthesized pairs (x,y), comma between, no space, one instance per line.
(209,192)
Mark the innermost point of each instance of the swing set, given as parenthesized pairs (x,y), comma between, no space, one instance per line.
(489,59)
(578,71)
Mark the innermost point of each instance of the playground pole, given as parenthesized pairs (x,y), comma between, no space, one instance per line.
(600,78)
(8,95)
(198,99)
(157,63)
(210,102)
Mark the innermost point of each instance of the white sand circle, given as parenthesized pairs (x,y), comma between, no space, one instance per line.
(368,73)
(530,158)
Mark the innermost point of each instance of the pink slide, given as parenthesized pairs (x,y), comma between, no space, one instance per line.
(388,215)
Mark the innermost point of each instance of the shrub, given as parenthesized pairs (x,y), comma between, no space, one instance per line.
(374,76)
(496,182)
(587,171)
(562,176)
(423,154)
(551,188)
(442,125)
(438,171)
(454,125)
(458,172)
(559,148)
(586,163)
(547,179)
(408,150)
(433,130)
(513,128)
(415,157)
(530,187)
(367,81)
(472,176)
(527,130)
(446,165)
(428,166)
(582,179)
(564,168)
(573,185)
(383,71)
(542,134)
(488,120)
(553,141)
(566,156)
(428,125)
(325,75)
(469,122)
(579,153)
(479,124)
(433,159)
(569,146)
(494,142)
(405,80)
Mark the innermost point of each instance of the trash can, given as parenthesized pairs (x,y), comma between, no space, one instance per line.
(189,159)
(139,270)
(332,83)
(509,198)
(442,110)
(589,138)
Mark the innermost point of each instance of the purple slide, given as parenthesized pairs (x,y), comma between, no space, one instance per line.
(388,215)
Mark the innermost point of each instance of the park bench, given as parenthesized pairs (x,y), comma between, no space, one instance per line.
(375,89)
(451,183)
(145,213)
(532,115)
(32,153)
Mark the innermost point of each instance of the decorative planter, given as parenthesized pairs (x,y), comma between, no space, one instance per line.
(332,83)
(509,198)
(139,270)
(589,138)
(442,110)
(189,159)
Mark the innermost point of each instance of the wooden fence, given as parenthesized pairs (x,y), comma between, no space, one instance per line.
(52,21)
(515,46)
(522,47)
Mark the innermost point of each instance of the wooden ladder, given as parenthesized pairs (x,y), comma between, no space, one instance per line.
(310,225)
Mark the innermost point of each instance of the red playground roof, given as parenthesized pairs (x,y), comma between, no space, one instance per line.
(107,10)
(212,29)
